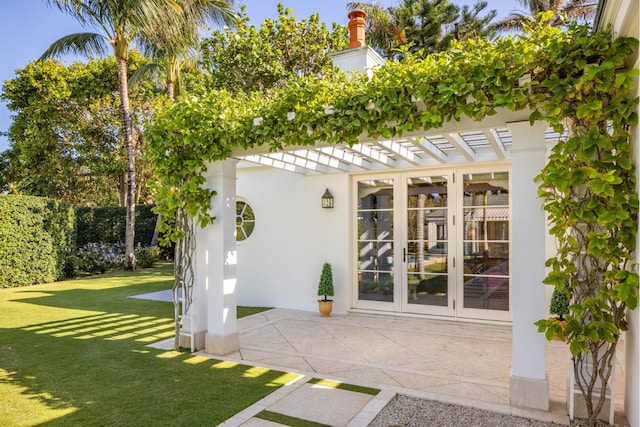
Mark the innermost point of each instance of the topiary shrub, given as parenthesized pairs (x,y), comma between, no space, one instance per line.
(325,287)
(559,303)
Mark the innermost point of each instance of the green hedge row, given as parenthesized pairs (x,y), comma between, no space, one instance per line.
(40,237)
(107,224)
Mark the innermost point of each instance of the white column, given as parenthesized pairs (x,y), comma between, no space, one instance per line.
(529,385)
(220,281)
(632,336)
(214,300)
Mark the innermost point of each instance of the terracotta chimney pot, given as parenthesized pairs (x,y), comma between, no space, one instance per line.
(356,28)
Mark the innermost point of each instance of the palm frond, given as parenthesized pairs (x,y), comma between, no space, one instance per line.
(581,10)
(152,71)
(89,13)
(212,12)
(515,21)
(87,44)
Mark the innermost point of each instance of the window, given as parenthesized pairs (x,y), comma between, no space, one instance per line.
(245,221)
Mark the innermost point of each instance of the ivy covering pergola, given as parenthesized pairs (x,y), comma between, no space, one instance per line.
(573,80)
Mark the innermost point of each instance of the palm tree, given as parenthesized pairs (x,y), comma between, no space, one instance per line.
(121,23)
(563,12)
(172,46)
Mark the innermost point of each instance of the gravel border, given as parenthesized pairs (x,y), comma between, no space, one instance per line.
(406,411)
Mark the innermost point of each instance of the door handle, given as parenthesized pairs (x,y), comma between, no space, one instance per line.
(404,254)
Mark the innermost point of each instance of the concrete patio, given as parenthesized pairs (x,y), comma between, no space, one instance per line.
(449,361)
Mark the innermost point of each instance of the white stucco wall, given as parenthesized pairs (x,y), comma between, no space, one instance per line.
(623,17)
(632,336)
(279,265)
(362,59)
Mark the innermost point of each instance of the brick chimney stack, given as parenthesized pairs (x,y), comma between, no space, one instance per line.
(358,57)
(357,28)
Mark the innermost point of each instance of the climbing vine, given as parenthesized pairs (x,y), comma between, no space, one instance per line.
(574,80)
(589,191)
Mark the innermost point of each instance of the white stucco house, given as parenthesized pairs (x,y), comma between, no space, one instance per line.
(461,198)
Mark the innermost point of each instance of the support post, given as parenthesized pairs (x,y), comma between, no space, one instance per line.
(529,384)
(220,283)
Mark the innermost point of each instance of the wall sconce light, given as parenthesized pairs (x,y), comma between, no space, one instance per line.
(327,199)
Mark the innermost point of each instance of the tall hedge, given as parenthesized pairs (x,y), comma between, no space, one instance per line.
(107,224)
(37,235)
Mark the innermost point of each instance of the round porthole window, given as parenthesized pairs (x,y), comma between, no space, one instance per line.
(245,221)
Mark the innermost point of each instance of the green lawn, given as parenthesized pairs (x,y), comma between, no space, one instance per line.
(73,353)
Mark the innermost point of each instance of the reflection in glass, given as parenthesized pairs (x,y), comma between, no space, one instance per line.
(427,234)
(375,194)
(489,293)
(375,225)
(486,240)
(433,259)
(493,258)
(375,240)
(375,286)
(486,189)
(373,255)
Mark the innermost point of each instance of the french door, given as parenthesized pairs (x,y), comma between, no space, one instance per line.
(434,242)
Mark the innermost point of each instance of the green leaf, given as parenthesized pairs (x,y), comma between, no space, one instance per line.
(583,110)
(592,334)
(363,114)
(576,347)
(549,334)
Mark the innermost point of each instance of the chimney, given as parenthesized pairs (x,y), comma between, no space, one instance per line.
(358,57)
(356,28)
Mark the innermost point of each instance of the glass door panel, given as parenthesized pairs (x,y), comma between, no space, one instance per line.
(433,242)
(427,249)
(485,244)
(375,240)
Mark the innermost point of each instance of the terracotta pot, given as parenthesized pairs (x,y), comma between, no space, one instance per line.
(325,307)
(556,337)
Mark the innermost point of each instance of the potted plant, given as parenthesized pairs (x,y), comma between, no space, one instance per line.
(325,289)
(559,303)
(560,307)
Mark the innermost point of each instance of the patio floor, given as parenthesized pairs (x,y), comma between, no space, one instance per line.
(449,361)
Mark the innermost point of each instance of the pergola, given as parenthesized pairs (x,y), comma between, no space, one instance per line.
(428,150)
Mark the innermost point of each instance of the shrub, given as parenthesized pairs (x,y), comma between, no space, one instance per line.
(559,303)
(71,266)
(100,257)
(325,286)
(106,224)
(147,256)
(38,237)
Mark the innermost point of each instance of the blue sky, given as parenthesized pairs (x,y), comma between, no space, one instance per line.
(28,27)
